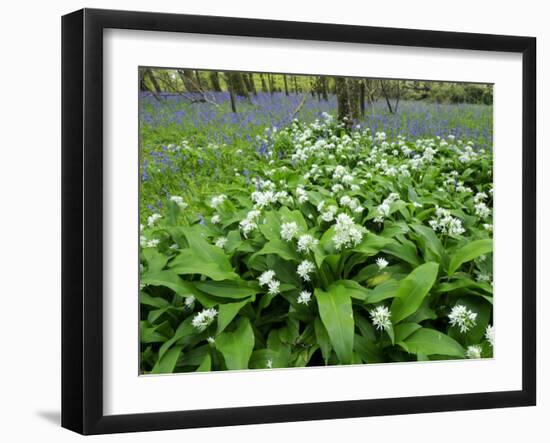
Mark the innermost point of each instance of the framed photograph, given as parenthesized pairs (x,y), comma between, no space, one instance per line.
(269,221)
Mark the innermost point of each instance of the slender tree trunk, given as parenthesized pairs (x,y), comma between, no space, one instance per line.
(271,83)
(347,95)
(264,85)
(286,85)
(188,81)
(215,81)
(324,88)
(362,98)
(295,85)
(153,80)
(252,84)
(198,77)
(230,86)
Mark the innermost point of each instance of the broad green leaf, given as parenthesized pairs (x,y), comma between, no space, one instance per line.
(271,229)
(206,364)
(167,362)
(236,347)
(227,312)
(351,288)
(202,258)
(155,302)
(386,290)
(184,330)
(405,252)
(469,252)
(283,249)
(168,279)
(430,240)
(404,330)
(228,289)
(295,216)
(337,317)
(429,342)
(412,290)
(188,261)
(323,339)
(155,260)
(372,244)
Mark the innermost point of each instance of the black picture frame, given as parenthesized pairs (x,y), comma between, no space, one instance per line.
(82,218)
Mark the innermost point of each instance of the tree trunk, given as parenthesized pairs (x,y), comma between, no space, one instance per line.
(252,84)
(295,85)
(362,98)
(229,81)
(215,81)
(286,85)
(271,83)
(198,77)
(264,85)
(153,80)
(188,80)
(347,96)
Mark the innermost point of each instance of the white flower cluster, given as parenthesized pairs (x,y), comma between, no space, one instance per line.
(204,318)
(490,334)
(178,201)
(473,351)
(383,209)
(268,279)
(301,194)
(346,232)
(306,243)
(462,317)
(381,262)
(220,242)
(152,219)
(304,298)
(217,200)
(305,268)
(250,222)
(289,230)
(351,203)
(380,317)
(467,155)
(445,223)
(329,213)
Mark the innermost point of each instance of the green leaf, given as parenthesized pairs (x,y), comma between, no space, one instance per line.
(168,279)
(372,244)
(236,347)
(352,288)
(337,317)
(155,302)
(430,240)
(280,248)
(412,290)
(404,330)
(155,260)
(167,362)
(405,252)
(429,342)
(228,289)
(227,312)
(386,290)
(206,364)
(323,339)
(202,258)
(469,252)
(184,330)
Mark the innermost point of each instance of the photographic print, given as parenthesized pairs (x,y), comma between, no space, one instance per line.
(291,220)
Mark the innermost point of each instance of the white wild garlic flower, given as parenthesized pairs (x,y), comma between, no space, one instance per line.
(380,317)
(473,351)
(304,269)
(289,231)
(306,243)
(463,318)
(204,319)
(304,298)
